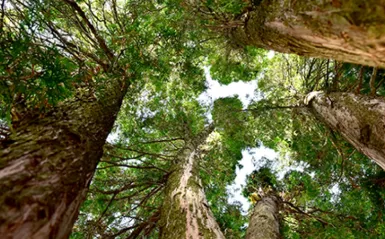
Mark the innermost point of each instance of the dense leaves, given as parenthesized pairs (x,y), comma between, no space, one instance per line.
(325,194)
(54,50)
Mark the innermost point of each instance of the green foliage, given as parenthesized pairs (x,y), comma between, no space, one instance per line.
(51,50)
(262,179)
(34,76)
(233,65)
(332,192)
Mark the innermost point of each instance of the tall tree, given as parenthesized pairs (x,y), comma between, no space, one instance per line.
(358,118)
(347,31)
(135,186)
(264,220)
(48,163)
(48,160)
(98,50)
(185,212)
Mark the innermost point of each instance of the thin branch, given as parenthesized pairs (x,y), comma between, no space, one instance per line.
(307,214)
(148,226)
(130,166)
(275,107)
(372,82)
(360,79)
(161,156)
(2,15)
(102,43)
(160,141)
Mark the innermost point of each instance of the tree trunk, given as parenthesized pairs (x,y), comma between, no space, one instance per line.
(264,221)
(359,119)
(48,162)
(185,212)
(348,31)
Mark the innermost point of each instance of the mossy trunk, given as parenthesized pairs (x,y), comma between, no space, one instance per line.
(264,220)
(348,31)
(359,119)
(48,162)
(185,212)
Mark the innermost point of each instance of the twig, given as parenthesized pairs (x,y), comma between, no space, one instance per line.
(373,82)
(360,78)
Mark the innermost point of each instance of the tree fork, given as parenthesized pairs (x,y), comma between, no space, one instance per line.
(47,164)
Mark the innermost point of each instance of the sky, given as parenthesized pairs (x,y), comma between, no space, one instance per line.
(250,158)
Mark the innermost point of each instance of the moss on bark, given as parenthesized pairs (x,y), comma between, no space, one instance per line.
(48,163)
(185,212)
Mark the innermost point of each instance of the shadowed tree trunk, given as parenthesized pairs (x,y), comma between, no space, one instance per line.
(264,221)
(185,212)
(348,31)
(46,165)
(359,119)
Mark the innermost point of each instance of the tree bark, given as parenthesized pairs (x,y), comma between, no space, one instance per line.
(359,119)
(264,221)
(185,212)
(48,162)
(348,31)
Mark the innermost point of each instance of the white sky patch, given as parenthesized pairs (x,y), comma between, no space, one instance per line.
(252,159)
(244,90)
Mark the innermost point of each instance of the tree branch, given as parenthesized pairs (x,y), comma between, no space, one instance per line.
(102,43)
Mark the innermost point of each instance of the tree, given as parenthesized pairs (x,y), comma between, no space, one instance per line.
(48,163)
(302,204)
(334,106)
(67,67)
(358,118)
(327,194)
(185,210)
(264,221)
(347,31)
(134,187)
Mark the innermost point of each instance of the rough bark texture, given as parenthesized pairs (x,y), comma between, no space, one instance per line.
(48,162)
(264,221)
(185,212)
(359,119)
(348,31)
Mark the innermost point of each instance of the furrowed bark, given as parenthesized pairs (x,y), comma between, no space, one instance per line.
(348,31)
(185,212)
(48,162)
(264,221)
(359,119)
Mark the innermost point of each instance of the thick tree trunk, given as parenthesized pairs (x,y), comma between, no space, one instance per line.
(48,162)
(185,212)
(359,119)
(348,31)
(264,221)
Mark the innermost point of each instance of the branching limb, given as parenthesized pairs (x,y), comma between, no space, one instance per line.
(297,209)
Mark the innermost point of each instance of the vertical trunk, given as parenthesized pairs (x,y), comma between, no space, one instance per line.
(264,221)
(348,31)
(359,119)
(185,212)
(48,163)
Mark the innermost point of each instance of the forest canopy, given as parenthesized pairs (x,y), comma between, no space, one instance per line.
(103,133)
